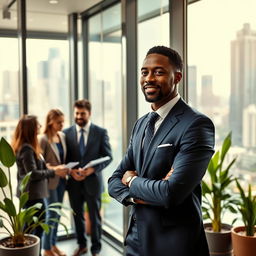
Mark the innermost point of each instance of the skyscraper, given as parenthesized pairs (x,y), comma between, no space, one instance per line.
(249,124)
(243,79)
(192,86)
(207,93)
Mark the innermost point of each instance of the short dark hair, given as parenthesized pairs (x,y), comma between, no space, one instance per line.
(84,103)
(173,56)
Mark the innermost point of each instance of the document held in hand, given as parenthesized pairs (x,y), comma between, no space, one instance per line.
(96,162)
(71,164)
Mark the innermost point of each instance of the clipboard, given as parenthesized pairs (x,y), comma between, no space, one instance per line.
(96,162)
(71,165)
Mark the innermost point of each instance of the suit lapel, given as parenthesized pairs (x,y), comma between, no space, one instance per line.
(63,142)
(91,135)
(55,151)
(73,139)
(167,125)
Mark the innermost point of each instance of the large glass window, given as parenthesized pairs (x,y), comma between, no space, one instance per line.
(47,76)
(9,86)
(105,92)
(222,75)
(153,29)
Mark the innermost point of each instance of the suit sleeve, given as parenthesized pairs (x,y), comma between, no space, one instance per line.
(190,163)
(29,163)
(105,150)
(116,188)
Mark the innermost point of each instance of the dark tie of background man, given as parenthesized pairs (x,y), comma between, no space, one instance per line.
(149,131)
(81,142)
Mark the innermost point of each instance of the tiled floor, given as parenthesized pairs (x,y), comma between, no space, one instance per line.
(68,246)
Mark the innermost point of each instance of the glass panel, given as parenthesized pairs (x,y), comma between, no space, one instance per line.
(105,92)
(48,85)
(9,86)
(151,32)
(47,77)
(222,77)
(9,101)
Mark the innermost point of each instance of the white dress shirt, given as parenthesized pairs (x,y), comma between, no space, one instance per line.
(162,112)
(86,129)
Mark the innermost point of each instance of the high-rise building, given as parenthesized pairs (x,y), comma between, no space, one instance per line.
(243,79)
(192,86)
(249,124)
(206,92)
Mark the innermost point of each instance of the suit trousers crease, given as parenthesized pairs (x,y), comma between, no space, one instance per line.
(77,201)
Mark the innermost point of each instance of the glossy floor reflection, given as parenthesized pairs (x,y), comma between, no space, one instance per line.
(68,246)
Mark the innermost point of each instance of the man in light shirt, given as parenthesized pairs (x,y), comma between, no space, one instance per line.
(86,142)
(166,159)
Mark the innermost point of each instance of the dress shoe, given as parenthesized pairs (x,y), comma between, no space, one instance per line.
(58,251)
(49,253)
(80,251)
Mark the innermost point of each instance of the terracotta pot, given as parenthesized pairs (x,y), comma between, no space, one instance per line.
(243,245)
(219,242)
(31,250)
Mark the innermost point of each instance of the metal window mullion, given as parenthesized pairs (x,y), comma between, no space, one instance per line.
(22,34)
(178,37)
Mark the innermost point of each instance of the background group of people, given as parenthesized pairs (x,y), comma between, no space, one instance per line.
(46,155)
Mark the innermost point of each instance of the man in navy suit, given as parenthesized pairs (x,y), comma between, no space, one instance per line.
(160,174)
(85,142)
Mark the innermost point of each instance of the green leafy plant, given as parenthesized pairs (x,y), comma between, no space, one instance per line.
(217,196)
(17,218)
(247,207)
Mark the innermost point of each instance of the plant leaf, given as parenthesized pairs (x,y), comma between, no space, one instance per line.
(24,182)
(7,156)
(3,179)
(225,146)
(45,227)
(23,199)
(9,207)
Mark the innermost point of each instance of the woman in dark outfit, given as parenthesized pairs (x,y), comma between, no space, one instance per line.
(29,159)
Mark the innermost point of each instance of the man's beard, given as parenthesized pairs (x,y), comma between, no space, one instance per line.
(152,100)
(81,122)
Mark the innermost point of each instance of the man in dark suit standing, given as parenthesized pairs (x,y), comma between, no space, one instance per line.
(85,142)
(160,174)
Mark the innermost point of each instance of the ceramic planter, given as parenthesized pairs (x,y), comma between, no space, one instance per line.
(31,250)
(243,245)
(219,242)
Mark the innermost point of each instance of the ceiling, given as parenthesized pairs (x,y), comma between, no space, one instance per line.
(43,16)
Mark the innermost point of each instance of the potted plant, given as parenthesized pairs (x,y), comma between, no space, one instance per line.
(244,238)
(217,198)
(13,219)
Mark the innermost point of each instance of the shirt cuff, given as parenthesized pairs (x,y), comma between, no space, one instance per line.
(133,178)
(130,200)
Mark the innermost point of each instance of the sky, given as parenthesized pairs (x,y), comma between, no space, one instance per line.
(212,25)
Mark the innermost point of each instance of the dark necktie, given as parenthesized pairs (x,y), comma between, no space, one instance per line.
(149,131)
(81,143)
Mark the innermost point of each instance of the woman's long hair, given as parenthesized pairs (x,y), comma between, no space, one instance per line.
(26,132)
(52,115)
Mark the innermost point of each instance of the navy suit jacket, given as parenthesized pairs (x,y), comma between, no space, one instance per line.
(97,146)
(171,223)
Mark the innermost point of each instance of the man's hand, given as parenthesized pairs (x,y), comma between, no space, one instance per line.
(87,172)
(127,174)
(77,175)
(168,175)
